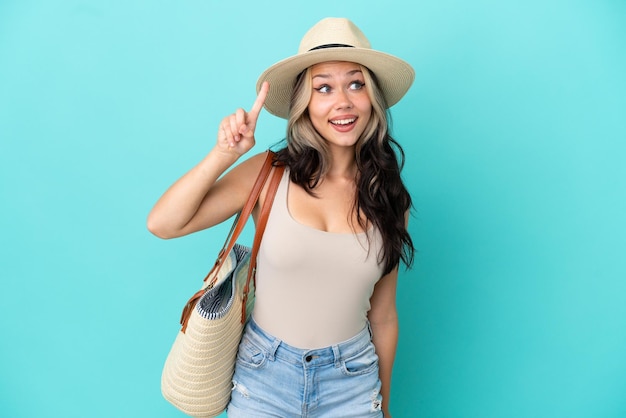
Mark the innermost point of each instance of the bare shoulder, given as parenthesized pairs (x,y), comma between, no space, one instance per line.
(240,179)
(249,168)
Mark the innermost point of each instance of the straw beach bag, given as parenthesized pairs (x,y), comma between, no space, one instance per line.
(198,371)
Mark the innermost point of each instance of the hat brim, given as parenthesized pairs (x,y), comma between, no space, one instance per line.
(394,75)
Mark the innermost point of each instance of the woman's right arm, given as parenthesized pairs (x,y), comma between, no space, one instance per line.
(201,198)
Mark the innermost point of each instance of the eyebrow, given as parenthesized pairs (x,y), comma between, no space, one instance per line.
(349,73)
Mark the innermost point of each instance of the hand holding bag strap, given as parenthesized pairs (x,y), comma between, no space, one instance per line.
(258,235)
(234,233)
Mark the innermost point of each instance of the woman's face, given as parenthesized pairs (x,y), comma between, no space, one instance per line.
(339,107)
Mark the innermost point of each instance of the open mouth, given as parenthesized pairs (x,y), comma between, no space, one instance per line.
(343,122)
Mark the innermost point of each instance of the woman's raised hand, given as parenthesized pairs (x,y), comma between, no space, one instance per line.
(236,131)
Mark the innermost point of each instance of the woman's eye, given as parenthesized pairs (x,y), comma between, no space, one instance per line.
(323,89)
(356,85)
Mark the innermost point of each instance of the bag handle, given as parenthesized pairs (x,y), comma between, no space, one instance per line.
(241,219)
(235,231)
(258,234)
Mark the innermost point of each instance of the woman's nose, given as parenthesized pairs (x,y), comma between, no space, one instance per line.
(343,100)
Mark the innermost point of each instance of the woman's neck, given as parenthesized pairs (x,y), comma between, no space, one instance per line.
(342,164)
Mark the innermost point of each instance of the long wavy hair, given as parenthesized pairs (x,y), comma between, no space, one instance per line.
(381,197)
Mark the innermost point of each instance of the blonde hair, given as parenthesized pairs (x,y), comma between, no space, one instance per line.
(377,127)
(301,134)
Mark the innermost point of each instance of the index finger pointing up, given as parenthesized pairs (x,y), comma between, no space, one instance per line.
(260,100)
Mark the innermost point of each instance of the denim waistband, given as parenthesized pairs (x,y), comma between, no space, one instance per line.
(276,348)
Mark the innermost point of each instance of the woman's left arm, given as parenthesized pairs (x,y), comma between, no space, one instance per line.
(383,318)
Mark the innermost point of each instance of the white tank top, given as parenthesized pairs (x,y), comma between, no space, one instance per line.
(313,287)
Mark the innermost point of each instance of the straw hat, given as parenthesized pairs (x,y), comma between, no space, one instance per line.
(334,39)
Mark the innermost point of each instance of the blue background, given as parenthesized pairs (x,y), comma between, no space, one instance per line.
(515,133)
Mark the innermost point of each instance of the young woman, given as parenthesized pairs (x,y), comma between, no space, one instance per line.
(322,338)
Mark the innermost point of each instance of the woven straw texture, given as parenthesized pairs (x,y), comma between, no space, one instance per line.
(197,376)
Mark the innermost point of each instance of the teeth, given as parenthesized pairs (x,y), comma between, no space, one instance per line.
(342,121)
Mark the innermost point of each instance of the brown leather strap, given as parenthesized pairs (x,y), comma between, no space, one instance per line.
(242,217)
(258,234)
(235,231)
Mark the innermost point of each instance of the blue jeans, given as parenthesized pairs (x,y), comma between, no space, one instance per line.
(273,379)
